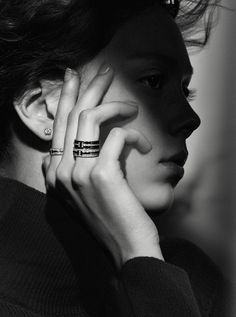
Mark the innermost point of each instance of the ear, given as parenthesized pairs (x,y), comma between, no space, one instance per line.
(37,108)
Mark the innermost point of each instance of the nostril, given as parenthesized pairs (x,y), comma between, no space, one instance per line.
(185,129)
(191,126)
(186,132)
(184,121)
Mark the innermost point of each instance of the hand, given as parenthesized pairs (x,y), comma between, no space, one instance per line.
(96,187)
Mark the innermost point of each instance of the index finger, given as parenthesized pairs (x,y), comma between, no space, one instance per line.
(96,89)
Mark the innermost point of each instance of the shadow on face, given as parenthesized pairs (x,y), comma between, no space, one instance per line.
(152,68)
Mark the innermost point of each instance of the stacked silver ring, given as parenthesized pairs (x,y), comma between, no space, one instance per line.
(56,151)
(86,148)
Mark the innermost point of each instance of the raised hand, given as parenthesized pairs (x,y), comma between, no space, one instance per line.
(96,186)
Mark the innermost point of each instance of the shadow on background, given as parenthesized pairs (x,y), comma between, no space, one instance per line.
(205,206)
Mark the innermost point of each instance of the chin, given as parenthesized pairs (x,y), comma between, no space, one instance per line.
(157,198)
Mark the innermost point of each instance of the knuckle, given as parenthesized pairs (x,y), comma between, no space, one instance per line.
(62,175)
(117,132)
(87,114)
(99,175)
(69,87)
(79,178)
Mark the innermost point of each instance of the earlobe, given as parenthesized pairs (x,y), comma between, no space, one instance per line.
(36,113)
(48,131)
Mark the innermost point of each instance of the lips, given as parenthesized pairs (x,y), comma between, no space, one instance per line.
(178,158)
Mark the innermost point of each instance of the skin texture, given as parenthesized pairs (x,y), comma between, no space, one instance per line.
(165,116)
(138,108)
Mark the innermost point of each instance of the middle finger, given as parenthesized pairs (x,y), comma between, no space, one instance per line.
(90,99)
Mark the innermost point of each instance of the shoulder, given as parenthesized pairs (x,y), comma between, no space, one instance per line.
(189,257)
(208,283)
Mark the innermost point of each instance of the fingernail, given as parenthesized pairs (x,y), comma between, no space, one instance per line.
(104,68)
(69,74)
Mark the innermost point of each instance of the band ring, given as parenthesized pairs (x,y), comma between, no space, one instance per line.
(56,151)
(86,149)
(78,144)
(80,153)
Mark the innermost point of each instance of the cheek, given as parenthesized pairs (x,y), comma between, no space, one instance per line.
(141,170)
(148,185)
(150,120)
(120,90)
(147,121)
(152,195)
(158,197)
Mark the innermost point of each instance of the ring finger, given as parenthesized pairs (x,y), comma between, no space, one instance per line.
(68,98)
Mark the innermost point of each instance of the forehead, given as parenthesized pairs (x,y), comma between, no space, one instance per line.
(152,33)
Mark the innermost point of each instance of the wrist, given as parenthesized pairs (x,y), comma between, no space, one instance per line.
(150,251)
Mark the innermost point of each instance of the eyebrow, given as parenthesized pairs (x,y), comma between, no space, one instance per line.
(167,59)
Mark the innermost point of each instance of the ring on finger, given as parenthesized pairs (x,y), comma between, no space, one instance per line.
(86,148)
(78,144)
(56,151)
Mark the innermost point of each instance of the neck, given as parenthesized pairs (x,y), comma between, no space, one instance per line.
(24,164)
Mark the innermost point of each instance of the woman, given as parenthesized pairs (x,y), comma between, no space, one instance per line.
(77,235)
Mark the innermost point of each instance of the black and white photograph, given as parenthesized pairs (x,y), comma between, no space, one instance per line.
(117,158)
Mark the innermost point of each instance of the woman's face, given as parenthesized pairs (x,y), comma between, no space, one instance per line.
(152,68)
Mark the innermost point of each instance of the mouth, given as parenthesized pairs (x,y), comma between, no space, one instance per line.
(178,159)
(174,166)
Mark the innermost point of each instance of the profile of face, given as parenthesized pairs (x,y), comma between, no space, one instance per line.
(152,68)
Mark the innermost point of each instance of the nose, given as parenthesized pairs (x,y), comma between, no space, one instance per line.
(185,121)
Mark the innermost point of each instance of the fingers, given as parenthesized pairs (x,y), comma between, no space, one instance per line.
(116,140)
(67,117)
(68,98)
(96,89)
(110,153)
(90,119)
(89,100)
(81,119)
(67,101)
(89,130)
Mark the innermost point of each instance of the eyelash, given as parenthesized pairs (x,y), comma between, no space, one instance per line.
(190,94)
(159,76)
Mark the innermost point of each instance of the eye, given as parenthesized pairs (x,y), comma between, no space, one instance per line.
(190,94)
(153,81)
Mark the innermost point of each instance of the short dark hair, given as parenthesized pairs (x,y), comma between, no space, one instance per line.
(39,39)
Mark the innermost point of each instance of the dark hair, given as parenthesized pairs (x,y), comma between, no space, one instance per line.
(39,39)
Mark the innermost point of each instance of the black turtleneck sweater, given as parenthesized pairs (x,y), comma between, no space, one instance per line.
(50,265)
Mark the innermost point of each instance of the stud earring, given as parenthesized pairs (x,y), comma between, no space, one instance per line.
(48,131)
